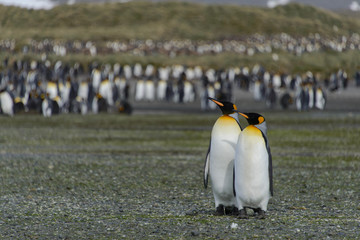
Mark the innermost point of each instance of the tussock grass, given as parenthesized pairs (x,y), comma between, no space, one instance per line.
(169,20)
(181,20)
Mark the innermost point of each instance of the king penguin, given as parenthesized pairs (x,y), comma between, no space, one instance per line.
(219,161)
(253,167)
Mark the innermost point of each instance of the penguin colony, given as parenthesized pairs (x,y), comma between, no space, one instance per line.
(248,45)
(53,88)
(239,163)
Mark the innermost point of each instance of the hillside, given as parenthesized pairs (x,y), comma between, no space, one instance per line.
(121,23)
(168,20)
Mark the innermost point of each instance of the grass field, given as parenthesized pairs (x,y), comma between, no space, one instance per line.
(169,20)
(113,176)
(161,21)
(140,177)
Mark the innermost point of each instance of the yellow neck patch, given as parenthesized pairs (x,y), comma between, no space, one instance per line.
(226,118)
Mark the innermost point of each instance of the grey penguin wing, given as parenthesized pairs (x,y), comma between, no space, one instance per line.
(235,116)
(234,182)
(207,166)
(270,164)
(270,172)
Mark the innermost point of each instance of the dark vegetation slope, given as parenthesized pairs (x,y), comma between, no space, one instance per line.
(168,20)
(180,20)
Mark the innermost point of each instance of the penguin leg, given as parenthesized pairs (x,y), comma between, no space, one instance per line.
(242,214)
(231,210)
(235,211)
(261,213)
(256,210)
(219,210)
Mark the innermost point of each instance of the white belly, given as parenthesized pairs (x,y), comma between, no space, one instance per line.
(161,90)
(223,141)
(83,91)
(140,90)
(149,91)
(7,104)
(105,91)
(251,171)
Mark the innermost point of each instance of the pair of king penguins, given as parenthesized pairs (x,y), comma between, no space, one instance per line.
(239,163)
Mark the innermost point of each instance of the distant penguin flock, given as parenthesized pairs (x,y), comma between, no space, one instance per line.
(50,88)
(239,163)
(247,45)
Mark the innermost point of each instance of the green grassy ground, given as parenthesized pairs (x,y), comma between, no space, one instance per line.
(100,23)
(169,20)
(115,176)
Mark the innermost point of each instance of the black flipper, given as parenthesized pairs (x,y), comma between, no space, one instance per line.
(234,182)
(207,167)
(270,164)
(270,173)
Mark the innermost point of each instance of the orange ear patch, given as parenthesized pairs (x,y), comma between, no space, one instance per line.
(234,106)
(261,119)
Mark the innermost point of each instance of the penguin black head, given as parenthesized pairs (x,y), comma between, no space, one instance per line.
(253,118)
(226,107)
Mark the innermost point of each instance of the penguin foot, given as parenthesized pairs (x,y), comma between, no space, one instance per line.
(219,210)
(233,211)
(261,214)
(256,210)
(242,214)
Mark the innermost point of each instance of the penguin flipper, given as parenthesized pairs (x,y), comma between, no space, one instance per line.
(270,165)
(270,172)
(234,182)
(235,115)
(207,167)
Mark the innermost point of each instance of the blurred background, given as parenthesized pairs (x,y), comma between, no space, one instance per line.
(328,4)
(82,56)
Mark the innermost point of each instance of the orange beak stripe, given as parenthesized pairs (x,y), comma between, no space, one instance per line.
(217,102)
(245,116)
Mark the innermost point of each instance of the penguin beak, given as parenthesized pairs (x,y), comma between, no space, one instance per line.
(215,101)
(242,114)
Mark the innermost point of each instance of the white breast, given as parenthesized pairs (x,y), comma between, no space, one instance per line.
(224,137)
(251,169)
